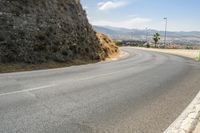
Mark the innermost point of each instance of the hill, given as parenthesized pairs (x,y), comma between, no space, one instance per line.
(190,38)
(41,31)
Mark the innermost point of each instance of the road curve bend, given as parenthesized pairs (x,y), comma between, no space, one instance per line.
(143,93)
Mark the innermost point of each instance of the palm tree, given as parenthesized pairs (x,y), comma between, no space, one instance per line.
(156,38)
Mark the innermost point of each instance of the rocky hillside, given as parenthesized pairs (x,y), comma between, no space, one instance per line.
(40,31)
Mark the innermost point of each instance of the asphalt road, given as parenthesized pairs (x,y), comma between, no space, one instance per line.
(142,93)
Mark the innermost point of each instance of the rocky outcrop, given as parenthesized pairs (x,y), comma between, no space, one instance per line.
(109,47)
(38,31)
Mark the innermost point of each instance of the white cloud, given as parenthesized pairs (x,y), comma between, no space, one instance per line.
(111,5)
(133,15)
(137,22)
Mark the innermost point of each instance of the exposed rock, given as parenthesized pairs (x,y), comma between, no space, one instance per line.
(108,45)
(38,31)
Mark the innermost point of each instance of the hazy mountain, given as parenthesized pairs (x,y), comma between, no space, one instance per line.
(181,37)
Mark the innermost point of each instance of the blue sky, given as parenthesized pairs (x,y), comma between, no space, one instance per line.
(183,15)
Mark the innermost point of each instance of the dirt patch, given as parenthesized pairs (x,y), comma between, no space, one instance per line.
(197,129)
(6,68)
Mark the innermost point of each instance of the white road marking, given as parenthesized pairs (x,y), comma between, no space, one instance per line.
(26,90)
(76,79)
(188,120)
(47,86)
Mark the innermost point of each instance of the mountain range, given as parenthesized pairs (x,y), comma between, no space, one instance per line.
(181,37)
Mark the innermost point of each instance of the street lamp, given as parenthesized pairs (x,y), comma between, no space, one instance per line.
(165,30)
(146,34)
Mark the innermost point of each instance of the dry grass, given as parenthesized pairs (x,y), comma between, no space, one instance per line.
(108,45)
(194,54)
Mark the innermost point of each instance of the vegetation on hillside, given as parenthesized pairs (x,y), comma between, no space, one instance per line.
(136,43)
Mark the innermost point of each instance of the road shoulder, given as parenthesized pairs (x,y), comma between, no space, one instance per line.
(193,54)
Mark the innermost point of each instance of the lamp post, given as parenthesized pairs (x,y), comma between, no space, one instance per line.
(165,30)
(146,34)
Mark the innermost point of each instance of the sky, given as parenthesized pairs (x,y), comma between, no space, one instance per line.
(182,15)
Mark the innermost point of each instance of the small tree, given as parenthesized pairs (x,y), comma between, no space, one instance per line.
(156,38)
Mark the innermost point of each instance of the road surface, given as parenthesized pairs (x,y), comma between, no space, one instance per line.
(142,93)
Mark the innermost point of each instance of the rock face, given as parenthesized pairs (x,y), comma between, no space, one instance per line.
(38,31)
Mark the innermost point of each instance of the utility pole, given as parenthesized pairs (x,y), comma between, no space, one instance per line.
(165,30)
(146,34)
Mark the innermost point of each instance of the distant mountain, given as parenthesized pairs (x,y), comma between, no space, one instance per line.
(189,38)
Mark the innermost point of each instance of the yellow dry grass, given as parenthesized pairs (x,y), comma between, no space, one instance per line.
(193,54)
(108,45)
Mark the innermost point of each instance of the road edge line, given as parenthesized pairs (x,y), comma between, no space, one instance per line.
(26,90)
(188,120)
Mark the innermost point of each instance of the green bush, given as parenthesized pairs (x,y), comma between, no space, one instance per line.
(199,56)
(148,46)
(189,47)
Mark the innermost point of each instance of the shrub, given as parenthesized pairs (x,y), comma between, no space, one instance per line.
(148,45)
(189,47)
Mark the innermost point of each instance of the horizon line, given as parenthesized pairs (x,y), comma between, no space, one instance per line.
(106,26)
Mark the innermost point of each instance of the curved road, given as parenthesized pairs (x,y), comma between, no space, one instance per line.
(142,93)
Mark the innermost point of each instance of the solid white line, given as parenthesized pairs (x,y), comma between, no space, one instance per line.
(26,90)
(188,120)
(47,86)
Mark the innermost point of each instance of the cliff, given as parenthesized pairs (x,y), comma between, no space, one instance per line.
(40,31)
